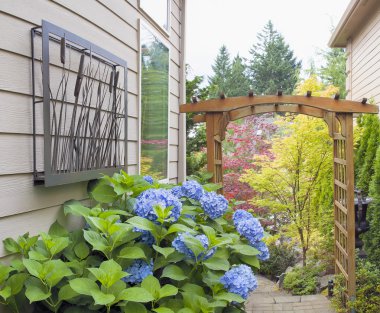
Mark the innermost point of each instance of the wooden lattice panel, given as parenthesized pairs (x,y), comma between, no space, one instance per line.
(343,201)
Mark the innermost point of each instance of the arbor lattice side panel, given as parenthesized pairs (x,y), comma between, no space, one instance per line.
(344,225)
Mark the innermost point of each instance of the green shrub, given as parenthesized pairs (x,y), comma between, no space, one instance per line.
(281,257)
(302,280)
(367,290)
(195,162)
(146,247)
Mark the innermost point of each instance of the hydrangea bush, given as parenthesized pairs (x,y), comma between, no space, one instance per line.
(145,247)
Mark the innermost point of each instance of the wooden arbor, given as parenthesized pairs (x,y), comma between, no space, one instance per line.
(338,114)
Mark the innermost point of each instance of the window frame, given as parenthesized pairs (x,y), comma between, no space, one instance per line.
(153,21)
(167,45)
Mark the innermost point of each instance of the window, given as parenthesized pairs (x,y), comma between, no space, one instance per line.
(154,78)
(158,10)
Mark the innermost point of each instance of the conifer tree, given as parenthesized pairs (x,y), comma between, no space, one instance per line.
(372,237)
(273,65)
(222,72)
(366,150)
(334,72)
(238,82)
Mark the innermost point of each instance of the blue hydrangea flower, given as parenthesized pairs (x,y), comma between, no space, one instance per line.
(241,215)
(138,271)
(192,189)
(146,236)
(240,280)
(264,251)
(148,199)
(248,226)
(177,191)
(179,244)
(148,179)
(213,205)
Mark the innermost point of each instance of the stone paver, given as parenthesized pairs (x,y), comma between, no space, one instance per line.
(269,299)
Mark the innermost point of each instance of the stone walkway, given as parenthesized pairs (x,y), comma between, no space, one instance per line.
(268,298)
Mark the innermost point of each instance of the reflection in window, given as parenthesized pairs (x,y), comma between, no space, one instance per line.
(158,10)
(154,105)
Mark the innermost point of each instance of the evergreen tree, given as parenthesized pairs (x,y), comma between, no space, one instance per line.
(366,150)
(238,82)
(334,73)
(222,72)
(372,237)
(273,65)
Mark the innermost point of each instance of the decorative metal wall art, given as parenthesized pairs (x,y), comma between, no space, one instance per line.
(84,96)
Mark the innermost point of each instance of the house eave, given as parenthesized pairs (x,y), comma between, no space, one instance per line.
(353,18)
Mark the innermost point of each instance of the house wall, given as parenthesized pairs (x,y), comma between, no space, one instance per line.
(112,24)
(363,62)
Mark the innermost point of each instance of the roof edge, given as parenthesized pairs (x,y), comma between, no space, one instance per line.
(357,13)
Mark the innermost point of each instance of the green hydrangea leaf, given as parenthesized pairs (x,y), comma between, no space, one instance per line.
(83,286)
(143,223)
(11,245)
(229,296)
(185,310)
(98,242)
(16,282)
(164,251)
(250,260)
(54,271)
(108,273)
(245,250)
(217,264)
(102,298)
(76,208)
(104,193)
(136,294)
(67,293)
(134,307)
(57,230)
(212,187)
(152,285)
(180,228)
(33,267)
(4,272)
(81,250)
(36,293)
(132,253)
(6,292)
(174,272)
(194,245)
(163,310)
(168,291)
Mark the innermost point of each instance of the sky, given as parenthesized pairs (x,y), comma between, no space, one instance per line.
(306,26)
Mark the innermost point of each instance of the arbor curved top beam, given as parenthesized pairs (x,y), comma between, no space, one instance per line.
(322,103)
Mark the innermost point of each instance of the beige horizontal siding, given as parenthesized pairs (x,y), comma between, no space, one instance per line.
(35,222)
(365,62)
(18,195)
(366,33)
(111,24)
(16,153)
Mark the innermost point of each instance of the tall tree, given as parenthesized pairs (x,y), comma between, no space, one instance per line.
(334,72)
(273,65)
(372,237)
(222,72)
(238,81)
(368,129)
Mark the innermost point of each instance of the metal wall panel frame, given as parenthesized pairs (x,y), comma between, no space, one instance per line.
(50,32)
